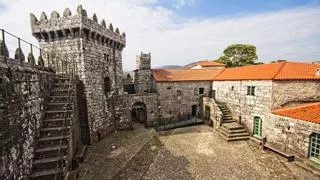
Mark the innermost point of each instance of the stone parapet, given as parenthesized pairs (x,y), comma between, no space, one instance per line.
(79,25)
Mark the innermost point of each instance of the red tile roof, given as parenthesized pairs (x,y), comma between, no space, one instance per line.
(307,112)
(185,74)
(273,71)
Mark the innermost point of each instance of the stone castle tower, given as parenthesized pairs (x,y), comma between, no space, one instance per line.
(93,51)
(143,74)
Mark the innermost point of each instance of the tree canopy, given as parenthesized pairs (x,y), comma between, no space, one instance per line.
(238,55)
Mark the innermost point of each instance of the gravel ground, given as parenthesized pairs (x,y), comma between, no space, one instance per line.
(187,153)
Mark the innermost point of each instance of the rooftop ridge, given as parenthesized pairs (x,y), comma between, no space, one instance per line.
(283,64)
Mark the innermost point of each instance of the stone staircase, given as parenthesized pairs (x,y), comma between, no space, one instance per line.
(53,143)
(229,129)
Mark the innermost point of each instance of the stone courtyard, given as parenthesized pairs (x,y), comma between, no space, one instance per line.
(185,153)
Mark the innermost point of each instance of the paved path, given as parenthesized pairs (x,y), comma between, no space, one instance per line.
(187,153)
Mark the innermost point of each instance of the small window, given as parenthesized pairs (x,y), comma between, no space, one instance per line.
(232,88)
(251,90)
(107,86)
(201,90)
(169,87)
(105,57)
(179,92)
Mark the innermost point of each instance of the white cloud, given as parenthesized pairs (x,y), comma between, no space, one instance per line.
(182,3)
(287,34)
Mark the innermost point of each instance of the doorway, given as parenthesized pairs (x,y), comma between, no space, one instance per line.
(139,112)
(194,110)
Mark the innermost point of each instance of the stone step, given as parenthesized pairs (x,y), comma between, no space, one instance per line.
(59,106)
(228,121)
(54,131)
(233,131)
(58,122)
(58,111)
(227,118)
(238,138)
(44,142)
(232,126)
(48,163)
(46,174)
(50,151)
(60,91)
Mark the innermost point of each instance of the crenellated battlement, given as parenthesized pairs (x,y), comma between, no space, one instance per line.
(75,26)
(143,61)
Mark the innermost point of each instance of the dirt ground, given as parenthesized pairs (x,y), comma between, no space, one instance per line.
(195,152)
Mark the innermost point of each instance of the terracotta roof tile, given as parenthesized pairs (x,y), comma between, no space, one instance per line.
(307,112)
(185,74)
(273,71)
(297,70)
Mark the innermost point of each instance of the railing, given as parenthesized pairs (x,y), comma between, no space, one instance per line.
(14,47)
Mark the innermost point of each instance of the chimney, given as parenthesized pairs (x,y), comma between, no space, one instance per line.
(318,72)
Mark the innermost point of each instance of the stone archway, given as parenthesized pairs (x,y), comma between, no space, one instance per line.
(139,112)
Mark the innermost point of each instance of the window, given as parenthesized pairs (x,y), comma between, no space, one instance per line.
(257,126)
(251,90)
(232,88)
(314,147)
(201,90)
(179,92)
(107,85)
(169,87)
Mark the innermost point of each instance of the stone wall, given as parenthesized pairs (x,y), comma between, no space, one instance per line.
(215,113)
(177,98)
(287,91)
(290,134)
(143,74)
(124,105)
(244,107)
(23,90)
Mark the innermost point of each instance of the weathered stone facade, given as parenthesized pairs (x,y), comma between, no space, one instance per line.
(90,50)
(209,104)
(285,133)
(288,91)
(23,91)
(245,107)
(124,105)
(289,134)
(143,74)
(177,98)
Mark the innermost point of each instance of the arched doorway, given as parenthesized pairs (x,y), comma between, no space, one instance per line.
(139,112)
(194,110)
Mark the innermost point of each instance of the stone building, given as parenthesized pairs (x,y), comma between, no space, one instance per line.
(92,51)
(143,74)
(253,92)
(180,91)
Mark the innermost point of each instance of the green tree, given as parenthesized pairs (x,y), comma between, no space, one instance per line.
(238,55)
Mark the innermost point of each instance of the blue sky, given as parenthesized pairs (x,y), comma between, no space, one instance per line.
(182,31)
(222,8)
